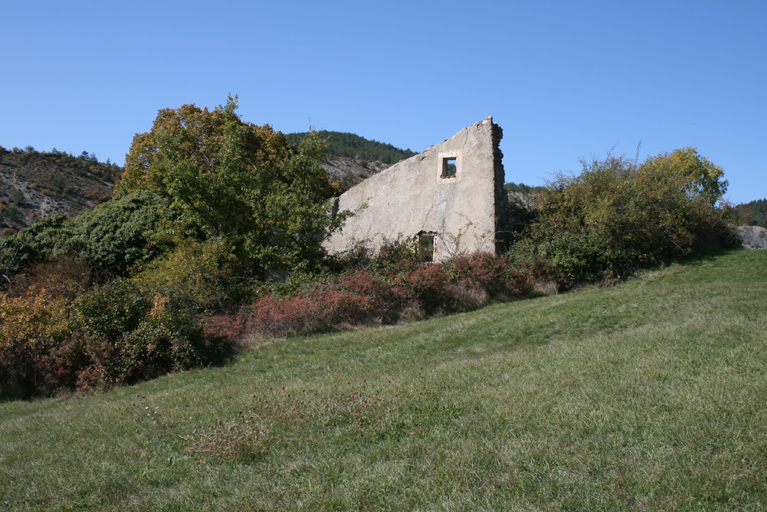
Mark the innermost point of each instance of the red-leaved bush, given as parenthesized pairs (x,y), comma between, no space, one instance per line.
(427,283)
(228,327)
(492,273)
(368,296)
(352,299)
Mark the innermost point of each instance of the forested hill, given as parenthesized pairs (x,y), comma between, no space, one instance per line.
(349,158)
(349,145)
(754,213)
(37,184)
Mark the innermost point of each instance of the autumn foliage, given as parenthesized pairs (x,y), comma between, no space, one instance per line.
(370,297)
(59,334)
(174,272)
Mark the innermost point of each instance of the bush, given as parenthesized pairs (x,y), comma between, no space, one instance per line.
(204,273)
(352,299)
(35,356)
(617,217)
(491,273)
(466,295)
(116,238)
(45,239)
(377,299)
(427,283)
(150,334)
(125,234)
(366,296)
(113,334)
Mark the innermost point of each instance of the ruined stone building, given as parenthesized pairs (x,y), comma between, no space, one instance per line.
(450,196)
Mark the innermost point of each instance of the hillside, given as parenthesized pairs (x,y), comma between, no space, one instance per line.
(349,145)
(40,184)
(649,395)
(351,158)
(754,213)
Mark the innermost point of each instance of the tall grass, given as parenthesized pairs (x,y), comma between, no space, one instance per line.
(645,396)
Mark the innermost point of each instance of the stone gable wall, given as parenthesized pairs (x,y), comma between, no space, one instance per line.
(412,198)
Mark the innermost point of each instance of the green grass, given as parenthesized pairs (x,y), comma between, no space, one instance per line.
(651,395)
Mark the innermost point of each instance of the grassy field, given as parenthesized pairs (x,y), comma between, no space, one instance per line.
(650,395)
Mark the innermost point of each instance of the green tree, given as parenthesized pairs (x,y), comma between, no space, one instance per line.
(228,179)
(753,213)
(124,234)
(42,241)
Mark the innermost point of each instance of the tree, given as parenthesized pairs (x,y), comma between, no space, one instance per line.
(234,180)
(42,241)
(124,234)
(699,177)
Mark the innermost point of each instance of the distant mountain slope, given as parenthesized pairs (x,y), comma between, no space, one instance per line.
(349,145)
(40,184)
(755,213)
(351,158)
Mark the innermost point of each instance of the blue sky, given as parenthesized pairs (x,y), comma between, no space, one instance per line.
(564,79)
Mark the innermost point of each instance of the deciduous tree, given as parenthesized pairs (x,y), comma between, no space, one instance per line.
(235,180)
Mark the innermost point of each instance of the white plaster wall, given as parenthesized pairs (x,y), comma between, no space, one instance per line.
(410,197)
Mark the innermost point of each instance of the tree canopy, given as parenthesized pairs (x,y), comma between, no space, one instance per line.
(234,180)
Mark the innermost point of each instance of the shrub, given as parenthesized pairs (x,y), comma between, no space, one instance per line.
(492,273)
(616,217)
(63,276)
(35,357)
(45,239)
(466,295)
(271,316)
(378,300)
(366,297)
(125,234)
(397,257)
(384,287)
(204,273)
(355,299)
(150,334)
(117,333)
(427,283)
(227,326)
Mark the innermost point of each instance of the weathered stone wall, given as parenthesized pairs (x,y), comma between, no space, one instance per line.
(419,196)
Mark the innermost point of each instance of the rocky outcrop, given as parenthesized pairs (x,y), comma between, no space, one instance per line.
(36,185)
(754,237)
(349,171)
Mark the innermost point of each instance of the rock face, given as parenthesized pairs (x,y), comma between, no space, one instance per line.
(754,237)
(35,185)
(349,172)
(450,196)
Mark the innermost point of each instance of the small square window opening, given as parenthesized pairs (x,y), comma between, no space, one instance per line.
(449,167)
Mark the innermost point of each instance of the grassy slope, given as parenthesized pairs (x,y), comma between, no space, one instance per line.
(651,395)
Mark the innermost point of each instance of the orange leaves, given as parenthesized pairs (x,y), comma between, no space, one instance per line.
(32,319)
